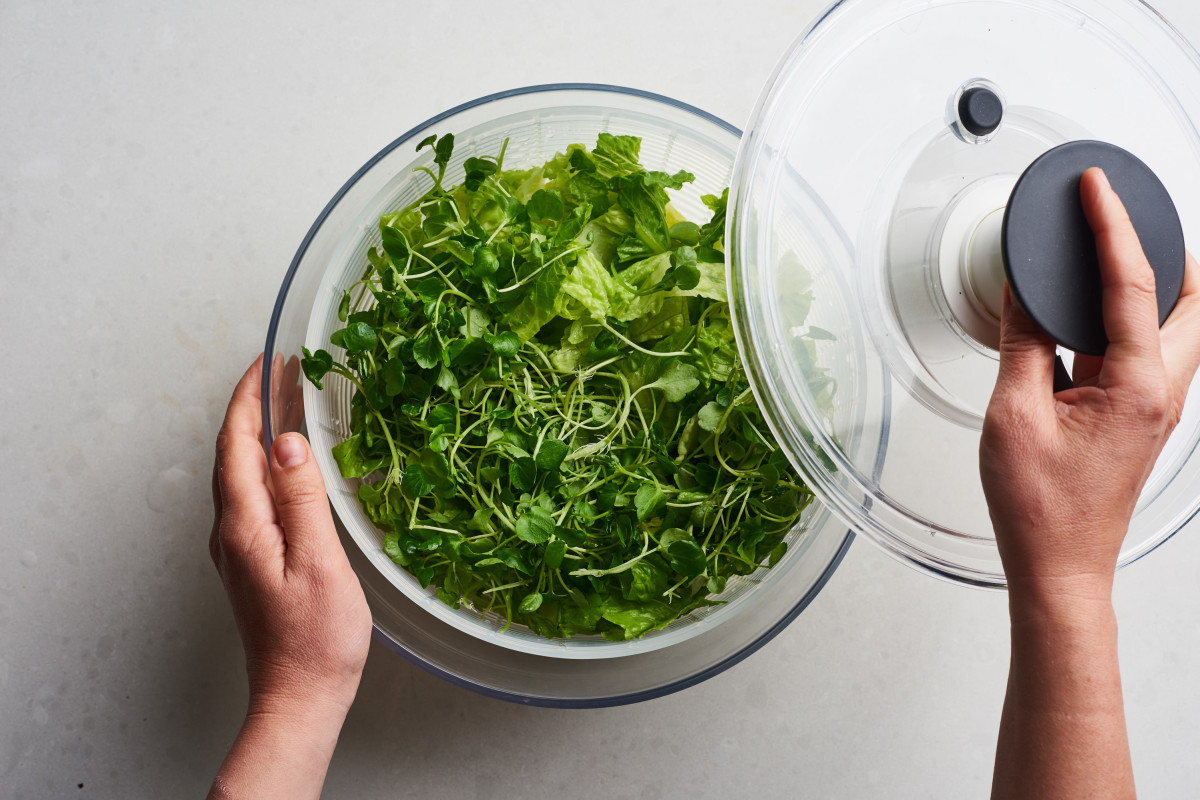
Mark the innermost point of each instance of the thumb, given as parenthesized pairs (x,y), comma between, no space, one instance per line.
(1129,302)
(301,500)
(1026,355)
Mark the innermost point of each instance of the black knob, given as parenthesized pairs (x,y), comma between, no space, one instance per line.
(980,110)
(1050,250)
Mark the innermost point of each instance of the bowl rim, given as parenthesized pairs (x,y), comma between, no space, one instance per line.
(268,434)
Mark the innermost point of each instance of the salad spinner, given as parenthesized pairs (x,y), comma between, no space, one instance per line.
(906,160)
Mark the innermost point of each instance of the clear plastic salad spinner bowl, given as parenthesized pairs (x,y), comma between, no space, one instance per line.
(909,123)
(483,653)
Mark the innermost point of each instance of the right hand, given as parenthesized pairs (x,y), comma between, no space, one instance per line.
(1062,472)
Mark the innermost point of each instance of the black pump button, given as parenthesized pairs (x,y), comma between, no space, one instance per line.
(980,111)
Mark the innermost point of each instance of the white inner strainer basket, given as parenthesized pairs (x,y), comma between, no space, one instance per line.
(705,149)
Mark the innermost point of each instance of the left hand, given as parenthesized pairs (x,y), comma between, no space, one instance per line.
(301,613)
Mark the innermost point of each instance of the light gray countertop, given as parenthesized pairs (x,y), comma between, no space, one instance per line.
(159,164)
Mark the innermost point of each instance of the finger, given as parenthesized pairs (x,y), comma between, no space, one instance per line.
(1026,355)
(242,474)
(216,492)
(293,395)
(1181,332)
(303,505)
(1129,302)
(1086,369)
(214,546)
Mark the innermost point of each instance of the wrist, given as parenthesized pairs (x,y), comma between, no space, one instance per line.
(301,707)
(1061,602)
(288,691)
(282,750)
(1063,640)
(303,731)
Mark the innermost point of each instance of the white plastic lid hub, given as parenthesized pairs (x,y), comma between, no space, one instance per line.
(970,261)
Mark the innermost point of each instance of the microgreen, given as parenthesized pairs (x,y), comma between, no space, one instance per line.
(550,420)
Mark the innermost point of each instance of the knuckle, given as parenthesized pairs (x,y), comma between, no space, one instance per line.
(995,422)
(301,494)
(1154,405)
(1006,411)
(239,563)
(1007,423)
(231,545)
(1141,284)
(1020,340)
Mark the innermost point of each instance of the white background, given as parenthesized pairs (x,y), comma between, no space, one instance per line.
(159,164)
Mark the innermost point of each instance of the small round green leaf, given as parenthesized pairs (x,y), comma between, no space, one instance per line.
(545,204)
(522,473)
(555,550)
(391,546)
(535,526)
(358,337)
(647,500)
(505,345)
(686,558)
(551,453)
(427,351)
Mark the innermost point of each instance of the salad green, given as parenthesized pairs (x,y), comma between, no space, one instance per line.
(550,419)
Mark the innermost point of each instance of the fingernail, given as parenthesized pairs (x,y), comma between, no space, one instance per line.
(1104,184)
(290,451)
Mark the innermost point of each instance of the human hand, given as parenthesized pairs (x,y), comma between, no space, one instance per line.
(1063,472)
(300,610)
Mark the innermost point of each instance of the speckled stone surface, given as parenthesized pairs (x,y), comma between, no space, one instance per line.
(159,164)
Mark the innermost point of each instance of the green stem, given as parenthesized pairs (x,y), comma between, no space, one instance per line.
(637,346)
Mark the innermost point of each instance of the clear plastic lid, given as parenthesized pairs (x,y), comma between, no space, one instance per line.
(858,194)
